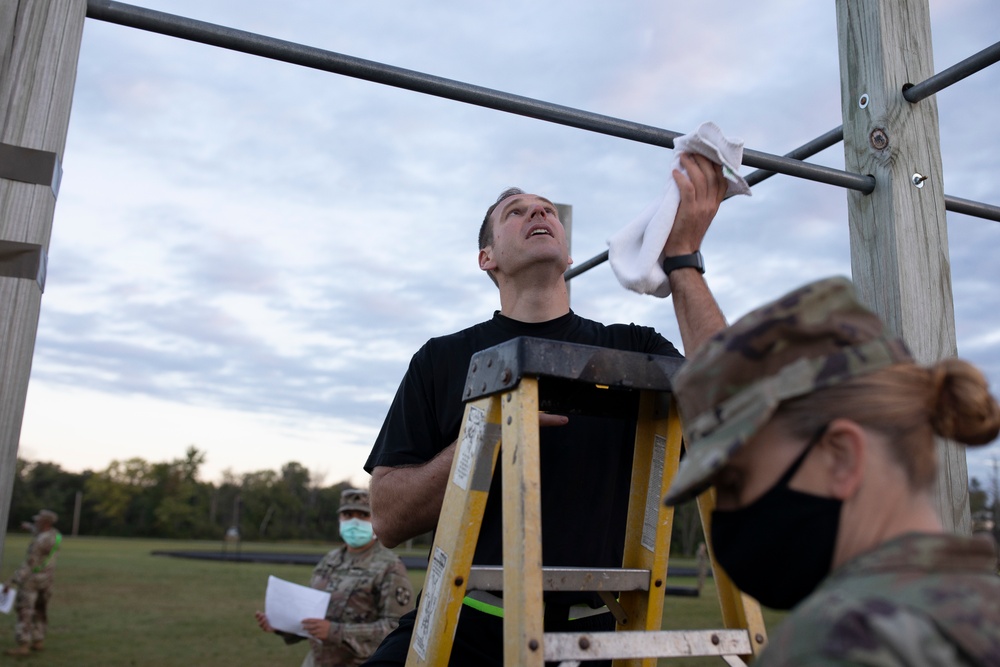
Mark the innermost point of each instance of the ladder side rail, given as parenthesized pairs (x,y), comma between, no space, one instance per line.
(523,623)
(739,610)
(457,534)
(647,535)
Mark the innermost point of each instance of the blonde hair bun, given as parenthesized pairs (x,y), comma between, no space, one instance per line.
(962,407)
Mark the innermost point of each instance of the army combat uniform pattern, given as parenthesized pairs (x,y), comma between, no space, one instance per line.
(369,591)
(919,600)
(33,581)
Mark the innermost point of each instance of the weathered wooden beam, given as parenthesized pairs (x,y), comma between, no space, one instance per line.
(899,236)
(39,49)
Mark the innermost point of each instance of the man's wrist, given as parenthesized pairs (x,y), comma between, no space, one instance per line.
(692,260)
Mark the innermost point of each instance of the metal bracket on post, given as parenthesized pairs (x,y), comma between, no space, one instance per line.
(30,165)
(23,260)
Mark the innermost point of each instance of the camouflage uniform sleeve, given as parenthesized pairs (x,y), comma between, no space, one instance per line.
(38,550)
(875,633)
(395,599)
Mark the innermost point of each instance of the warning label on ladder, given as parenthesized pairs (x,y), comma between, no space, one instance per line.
(653,493)
(432,595)
(468,449)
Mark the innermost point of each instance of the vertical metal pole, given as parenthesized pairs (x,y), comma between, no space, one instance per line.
(566,218)
(39,49)
(899,236)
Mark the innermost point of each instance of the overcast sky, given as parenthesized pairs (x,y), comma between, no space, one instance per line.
(246,253)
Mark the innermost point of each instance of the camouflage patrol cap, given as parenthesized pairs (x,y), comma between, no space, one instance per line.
(813,337)
(46,514)
(354,499)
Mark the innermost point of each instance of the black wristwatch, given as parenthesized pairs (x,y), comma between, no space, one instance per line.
(692,261)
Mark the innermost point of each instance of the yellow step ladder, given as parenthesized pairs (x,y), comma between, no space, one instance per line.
(507,386)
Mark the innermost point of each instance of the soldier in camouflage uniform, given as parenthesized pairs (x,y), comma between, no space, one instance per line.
(369,591)
(817,430)
(33,581)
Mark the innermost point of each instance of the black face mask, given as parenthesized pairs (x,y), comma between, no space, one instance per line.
(778,548)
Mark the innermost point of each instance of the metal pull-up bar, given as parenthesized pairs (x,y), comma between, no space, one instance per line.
(276,49)
(790,164)
(821,143)
(953,74)
(329,61)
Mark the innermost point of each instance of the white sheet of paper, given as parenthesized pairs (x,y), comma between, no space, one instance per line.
(287,605)
(7,600)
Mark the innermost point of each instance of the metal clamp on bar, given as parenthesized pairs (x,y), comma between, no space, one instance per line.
(23,260)
(30,165)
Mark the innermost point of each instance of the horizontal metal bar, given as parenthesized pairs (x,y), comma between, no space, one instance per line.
(328,61)
(586,266)
(808,149)
(290,52)
(953,204)
(969,207)
(490,578)
(955,73)
(808,171)
(649,644)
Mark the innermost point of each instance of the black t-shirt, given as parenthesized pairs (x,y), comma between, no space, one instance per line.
(585,465)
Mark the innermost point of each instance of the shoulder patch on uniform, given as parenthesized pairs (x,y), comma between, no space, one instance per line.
(403,595)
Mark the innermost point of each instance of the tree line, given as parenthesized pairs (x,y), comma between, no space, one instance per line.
(138,498)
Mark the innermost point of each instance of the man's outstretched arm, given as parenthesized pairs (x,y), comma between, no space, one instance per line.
(701,192)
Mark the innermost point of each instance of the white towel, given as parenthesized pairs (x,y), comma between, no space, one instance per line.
(636,251)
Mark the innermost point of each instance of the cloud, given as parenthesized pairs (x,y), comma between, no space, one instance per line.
(259,239)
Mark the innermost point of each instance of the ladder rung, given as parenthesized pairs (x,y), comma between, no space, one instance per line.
(490,578)
(651,644)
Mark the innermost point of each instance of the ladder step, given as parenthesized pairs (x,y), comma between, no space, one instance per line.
(490,578)
(651,644)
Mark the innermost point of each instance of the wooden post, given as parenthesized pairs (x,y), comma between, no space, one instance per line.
(77,509)
(39,48)
(899,238)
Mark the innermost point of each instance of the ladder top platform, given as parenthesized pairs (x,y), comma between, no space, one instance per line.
(501,367)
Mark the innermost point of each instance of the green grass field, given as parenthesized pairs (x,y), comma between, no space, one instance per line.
(117,605)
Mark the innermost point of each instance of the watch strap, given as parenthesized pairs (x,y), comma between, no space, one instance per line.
(692,261)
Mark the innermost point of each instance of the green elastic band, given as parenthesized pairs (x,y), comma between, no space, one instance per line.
(38,568)
(494,610)
(484,607)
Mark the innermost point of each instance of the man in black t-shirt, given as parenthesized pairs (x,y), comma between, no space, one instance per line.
(585,461)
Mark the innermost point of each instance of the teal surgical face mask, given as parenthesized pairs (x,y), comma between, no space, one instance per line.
(356,532)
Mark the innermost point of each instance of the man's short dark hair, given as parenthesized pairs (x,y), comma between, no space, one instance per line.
(486,229)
